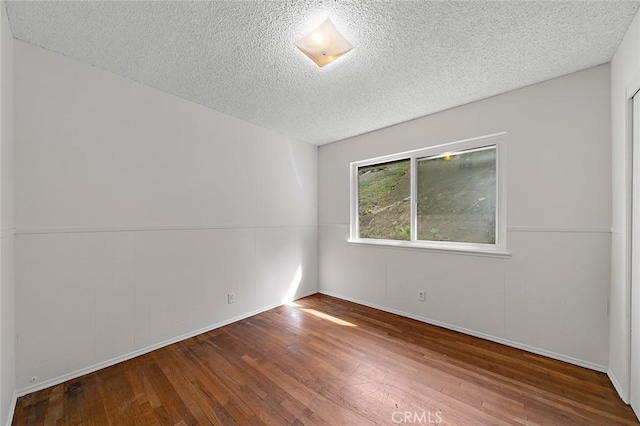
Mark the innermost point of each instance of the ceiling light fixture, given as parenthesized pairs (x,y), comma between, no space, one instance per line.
(325,44)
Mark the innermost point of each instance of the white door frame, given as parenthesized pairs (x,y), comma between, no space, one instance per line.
(632,89)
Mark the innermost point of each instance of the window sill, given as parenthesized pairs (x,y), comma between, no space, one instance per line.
(462,249)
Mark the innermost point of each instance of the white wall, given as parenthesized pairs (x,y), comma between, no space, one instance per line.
(625,66)
(7,298)
(137,211)
(551,295)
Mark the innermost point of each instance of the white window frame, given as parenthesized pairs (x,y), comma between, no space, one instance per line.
(499,249)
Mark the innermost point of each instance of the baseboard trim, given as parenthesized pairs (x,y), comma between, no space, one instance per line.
(12,409)
(532,349)
(93,368)
(616,385)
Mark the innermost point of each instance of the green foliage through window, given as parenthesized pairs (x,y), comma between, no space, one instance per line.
(456,198)
(384,211)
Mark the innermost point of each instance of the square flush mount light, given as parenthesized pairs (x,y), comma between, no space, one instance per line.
(325,44)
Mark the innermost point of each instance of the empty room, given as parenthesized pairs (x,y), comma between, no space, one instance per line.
(320,212)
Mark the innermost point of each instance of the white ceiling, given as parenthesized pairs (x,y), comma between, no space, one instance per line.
(411,58)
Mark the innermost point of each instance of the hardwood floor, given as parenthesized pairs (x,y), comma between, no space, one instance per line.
(327,361)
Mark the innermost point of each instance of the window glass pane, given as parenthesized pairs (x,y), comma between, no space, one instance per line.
(457,197)
(384,210)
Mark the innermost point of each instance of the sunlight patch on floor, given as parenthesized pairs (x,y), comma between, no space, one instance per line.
(328,317)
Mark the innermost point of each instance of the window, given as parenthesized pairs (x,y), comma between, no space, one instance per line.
(448,197)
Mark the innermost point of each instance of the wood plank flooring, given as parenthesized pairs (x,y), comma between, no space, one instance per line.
(327,361)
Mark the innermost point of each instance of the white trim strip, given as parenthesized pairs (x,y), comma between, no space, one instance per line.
(517,228)
(633,87)
(29,231)
(558,229)
(79,230)
(532,349)
(87,370)
(616,385)
(416,245)
(12,409)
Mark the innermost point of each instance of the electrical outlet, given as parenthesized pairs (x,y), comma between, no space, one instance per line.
(231,298)
(422,295)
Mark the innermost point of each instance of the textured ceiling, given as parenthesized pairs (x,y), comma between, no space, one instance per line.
(410,58)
